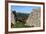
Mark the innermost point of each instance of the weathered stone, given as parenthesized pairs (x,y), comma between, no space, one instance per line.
(34,18)
(12,18)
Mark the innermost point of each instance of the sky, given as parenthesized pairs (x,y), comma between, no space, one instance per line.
(23,9)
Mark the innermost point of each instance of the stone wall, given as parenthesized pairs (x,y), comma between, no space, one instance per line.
(12,18)
(34,18)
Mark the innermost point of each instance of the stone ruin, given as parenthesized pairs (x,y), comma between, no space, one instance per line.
(34,18)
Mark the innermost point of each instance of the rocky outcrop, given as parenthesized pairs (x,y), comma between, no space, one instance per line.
(34,18)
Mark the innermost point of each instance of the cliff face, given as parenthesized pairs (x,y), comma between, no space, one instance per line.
(34,18)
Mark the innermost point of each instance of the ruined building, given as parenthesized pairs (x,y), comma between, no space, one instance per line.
(34,18)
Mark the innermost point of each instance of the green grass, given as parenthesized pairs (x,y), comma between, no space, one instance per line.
(20,25)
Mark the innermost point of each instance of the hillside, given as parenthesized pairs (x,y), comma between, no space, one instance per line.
(20,20)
